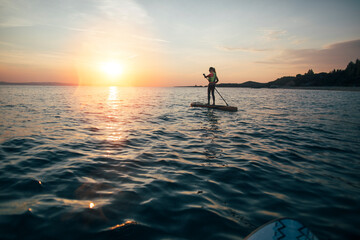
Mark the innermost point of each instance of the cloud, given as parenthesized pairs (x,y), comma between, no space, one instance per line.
(336,54)
(239,49)
(17,56)
(69,13)
(272,35)
(7,44)
(83,27)
(123,11)
(15,22)
(151,39)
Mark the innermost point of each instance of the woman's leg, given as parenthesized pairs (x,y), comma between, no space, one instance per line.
(213,94)
(209,88)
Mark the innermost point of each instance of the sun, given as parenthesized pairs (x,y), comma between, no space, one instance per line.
(112,69)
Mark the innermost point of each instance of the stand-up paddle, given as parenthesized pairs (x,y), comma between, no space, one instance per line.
(213,79)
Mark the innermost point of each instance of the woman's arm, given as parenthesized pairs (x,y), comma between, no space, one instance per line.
(207,76)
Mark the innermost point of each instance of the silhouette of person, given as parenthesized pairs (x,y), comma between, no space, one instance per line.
(213,79)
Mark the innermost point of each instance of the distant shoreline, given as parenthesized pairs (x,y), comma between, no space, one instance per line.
(328,88)
(36,84)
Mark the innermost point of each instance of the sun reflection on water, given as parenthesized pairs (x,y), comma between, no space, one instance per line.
(113,93)
(114,126)
(122,225)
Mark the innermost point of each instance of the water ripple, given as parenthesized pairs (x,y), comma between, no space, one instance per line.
(139,163)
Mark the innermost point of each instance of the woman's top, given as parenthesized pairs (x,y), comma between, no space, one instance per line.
(212,77)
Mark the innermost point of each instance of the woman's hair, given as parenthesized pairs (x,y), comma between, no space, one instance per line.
(213,69)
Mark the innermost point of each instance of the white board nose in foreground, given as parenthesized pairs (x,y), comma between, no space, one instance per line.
(282,228)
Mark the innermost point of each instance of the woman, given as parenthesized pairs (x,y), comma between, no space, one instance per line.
(212,78)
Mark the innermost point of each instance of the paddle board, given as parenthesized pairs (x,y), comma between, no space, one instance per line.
(220,107)
(282,228)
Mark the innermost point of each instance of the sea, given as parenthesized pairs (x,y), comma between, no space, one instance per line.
(140,163)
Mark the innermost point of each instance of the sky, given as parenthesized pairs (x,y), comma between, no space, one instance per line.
(173,42)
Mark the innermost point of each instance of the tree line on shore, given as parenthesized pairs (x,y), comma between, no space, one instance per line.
(349,77)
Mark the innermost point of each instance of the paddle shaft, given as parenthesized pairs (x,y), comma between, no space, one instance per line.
(222,97)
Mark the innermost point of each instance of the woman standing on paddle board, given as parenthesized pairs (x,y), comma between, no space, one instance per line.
(212,78)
